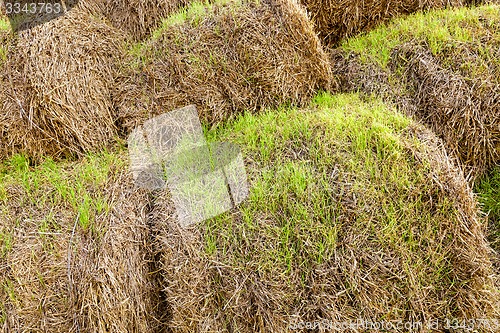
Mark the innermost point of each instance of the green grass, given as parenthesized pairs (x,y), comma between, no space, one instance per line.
(193,14)
(4,25)
(4,31)
(61,186)
(437,28)
(488,189)
(6,242)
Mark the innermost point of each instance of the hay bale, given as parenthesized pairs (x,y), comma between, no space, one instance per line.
(459,106)
(462,109)
(338,226)
(225,59)
(55,93)
(118,291)
(448,81)
(68,265)
(335,20)
(137,18)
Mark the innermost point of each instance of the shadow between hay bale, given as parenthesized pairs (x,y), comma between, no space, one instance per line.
(55,93)
(225,59)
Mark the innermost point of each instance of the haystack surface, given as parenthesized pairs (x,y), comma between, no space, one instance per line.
(55,92)
(225,58)
(137,18)
(335,20)
(463,109)
(354,212)
(441,68)
(488,189)
(74,253)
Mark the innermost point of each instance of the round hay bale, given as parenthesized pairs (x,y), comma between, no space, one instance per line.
(137,18)
(354,213)
(457,104)
(225,59)
(55,95)
(78,263)
(335,20)
(449,82)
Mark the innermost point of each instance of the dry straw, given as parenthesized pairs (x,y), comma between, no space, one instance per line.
(226,59)
(460,107)
(334,20)
(137,18)
(55,92)
(61,277)
(461,104)
(5,34)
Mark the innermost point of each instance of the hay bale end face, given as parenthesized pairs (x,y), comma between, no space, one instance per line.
(226,59)
(55,93)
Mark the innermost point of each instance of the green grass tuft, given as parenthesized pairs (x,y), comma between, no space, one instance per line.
(192,14)
(488,189)
(4,25)
(74,187)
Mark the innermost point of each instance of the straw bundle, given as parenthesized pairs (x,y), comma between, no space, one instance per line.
(226,59)
(71,267)
(55,92)
(137,18)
